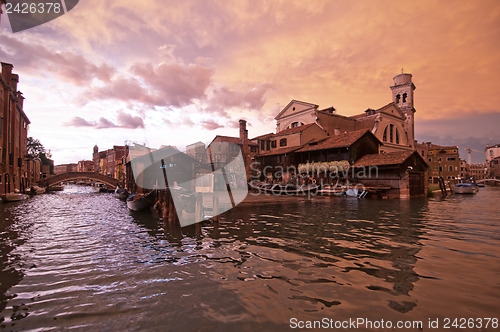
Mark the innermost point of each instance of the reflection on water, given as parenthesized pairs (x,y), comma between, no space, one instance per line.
(80,259)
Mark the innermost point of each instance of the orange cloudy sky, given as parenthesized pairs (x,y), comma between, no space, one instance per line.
(177,72)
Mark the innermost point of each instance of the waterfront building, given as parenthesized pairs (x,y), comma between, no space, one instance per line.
(492,152)
(282,163)
(477,171)
(223,148)
(404,172)
(392,124)
(289,139)
(198,152)
(110,162)
(443,161)
(85,166)
(494,168)
(47,166)
(14,124)
(65,168)
(464,169)
(34,166)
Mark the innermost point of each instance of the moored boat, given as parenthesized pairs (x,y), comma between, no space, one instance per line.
(35,190)
(465,188)
(139,202)
(56,187)
(13,197)
(121,193)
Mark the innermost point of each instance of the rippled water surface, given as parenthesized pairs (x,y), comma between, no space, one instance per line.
(81,260)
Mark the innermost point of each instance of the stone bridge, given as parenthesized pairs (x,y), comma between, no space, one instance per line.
(488,180)
(78,176)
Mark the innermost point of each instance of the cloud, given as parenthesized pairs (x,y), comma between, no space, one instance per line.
(224,99)
(122,88)
(167,85)
(211,125)
(174,84)
(34,57)
(128,121)
(125,121)
(104,123)
(79,122)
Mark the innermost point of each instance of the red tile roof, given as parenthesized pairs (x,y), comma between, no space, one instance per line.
(336,141)
(279,151)
(229,139)
(262,136)
(384,159)
(295,129)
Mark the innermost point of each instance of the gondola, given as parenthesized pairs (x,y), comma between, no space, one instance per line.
(121,193)
(139,202)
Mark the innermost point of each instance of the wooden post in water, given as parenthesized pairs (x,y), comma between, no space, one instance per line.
(215,207)
(199,207)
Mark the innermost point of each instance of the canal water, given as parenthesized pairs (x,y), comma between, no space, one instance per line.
(77,259)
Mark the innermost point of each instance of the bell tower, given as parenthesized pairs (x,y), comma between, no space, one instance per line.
(402,95)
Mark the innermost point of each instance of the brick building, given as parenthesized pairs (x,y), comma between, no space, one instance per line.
(65,168)
(110,162)
(494,168)
(14,160)
(85,166)
(392,124)
(443,161)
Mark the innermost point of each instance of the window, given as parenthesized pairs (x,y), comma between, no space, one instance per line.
(491,153)
(295,124)
(391,129)
(397,136)
(262,145)
(450,168)
(273,144)
(405,96)
(398,97)
(450,158)
(384,138)
(440,168)
(430,159)
(268,145)
(439,159)
(283,142)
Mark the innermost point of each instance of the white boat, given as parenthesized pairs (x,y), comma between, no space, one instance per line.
(465,188)
(13,197)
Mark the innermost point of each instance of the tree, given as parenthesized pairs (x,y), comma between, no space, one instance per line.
(36,149)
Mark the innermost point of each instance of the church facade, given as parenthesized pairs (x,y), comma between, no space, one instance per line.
(392,124)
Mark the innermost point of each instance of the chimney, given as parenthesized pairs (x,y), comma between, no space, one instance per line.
(13,83)
(7,70)
(243,132)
